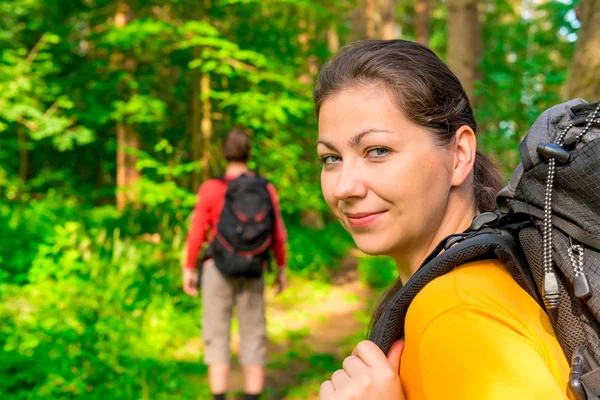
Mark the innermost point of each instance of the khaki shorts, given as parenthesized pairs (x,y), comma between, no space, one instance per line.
(219,294)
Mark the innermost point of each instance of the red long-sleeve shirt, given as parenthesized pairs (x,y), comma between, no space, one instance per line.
(211,198)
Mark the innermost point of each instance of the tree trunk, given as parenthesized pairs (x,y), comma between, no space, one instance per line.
(357,24)
(121,168)
(478,39)
(127,173)
(422,20)
(584,77)
(333,41)
(206,125)
(23,155)
(312,219)
(132,141)
(127,136)
(307,34)
(195,130)
(370,19)
(461,42)
(388,28)
(478,50)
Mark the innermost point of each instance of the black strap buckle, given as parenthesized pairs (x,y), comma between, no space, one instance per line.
(479,222)
(577,365)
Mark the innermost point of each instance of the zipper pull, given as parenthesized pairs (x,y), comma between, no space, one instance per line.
(581,284)
(582,287)
(551,290)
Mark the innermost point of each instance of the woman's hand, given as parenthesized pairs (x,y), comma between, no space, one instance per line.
(367,374)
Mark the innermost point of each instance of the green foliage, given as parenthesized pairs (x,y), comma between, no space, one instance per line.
(313,252)
(97,313)
(377,272)
(157,189)
(524,65)
(139,109)
(90,297)
(28,102)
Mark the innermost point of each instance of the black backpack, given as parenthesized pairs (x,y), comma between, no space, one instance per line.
(546,231)
(244,234)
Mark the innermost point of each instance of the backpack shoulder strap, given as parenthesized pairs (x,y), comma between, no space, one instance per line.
(251,174)
(484,244)
(258,178)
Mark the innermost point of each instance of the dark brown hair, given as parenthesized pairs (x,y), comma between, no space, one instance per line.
(427,93)
(236,146)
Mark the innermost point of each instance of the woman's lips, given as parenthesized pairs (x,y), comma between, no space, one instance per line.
(361,220)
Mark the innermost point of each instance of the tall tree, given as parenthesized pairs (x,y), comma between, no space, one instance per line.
(23,155)
(199,124)
(370,18)
(422,21)
(462,43)
(195,115)
(333,40)
(206,125)
(584,78)
(478,37)
(388,27)
(127,136)
(306,28)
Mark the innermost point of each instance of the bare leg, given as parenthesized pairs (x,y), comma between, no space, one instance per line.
(254,379)
(218,376)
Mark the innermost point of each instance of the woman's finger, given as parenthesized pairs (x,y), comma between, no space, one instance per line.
(354,366)
(327,391)
(369,353)
(395,354)
(340,379)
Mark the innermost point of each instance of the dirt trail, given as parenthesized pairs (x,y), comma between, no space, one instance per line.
(311,329)
(315,330)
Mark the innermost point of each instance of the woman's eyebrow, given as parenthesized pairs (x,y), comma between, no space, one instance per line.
(355,140)
(327,144)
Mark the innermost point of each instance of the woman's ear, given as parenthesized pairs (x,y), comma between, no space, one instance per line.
(465,149)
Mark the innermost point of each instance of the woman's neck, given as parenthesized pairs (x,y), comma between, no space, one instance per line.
(458,218)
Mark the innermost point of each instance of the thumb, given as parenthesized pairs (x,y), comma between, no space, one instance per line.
(395,354)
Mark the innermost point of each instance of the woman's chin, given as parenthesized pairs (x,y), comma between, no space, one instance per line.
(372,247)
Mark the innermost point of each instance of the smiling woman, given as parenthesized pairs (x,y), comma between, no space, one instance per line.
(385,184)
(401,172)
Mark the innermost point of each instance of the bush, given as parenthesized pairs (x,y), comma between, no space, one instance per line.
(86,312)
(313,252)
(377,272)
(91,304)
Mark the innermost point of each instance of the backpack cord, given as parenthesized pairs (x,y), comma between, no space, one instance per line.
(550,287)
(593,119)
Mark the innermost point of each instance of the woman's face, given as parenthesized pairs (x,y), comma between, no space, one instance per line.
(383,176)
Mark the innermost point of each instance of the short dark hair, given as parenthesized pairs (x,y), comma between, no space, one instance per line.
(236,146)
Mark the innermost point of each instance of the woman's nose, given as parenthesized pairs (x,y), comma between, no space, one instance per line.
(349,184)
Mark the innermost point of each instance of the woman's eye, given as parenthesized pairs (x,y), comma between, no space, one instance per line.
(330,159)
(378,152)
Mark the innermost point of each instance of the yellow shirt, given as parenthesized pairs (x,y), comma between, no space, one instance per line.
(474,333)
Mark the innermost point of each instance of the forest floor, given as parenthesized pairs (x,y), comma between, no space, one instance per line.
(312,327)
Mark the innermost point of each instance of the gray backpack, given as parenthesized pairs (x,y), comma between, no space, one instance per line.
(546,231)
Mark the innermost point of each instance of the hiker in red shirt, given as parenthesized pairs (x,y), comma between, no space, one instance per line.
(240,216)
